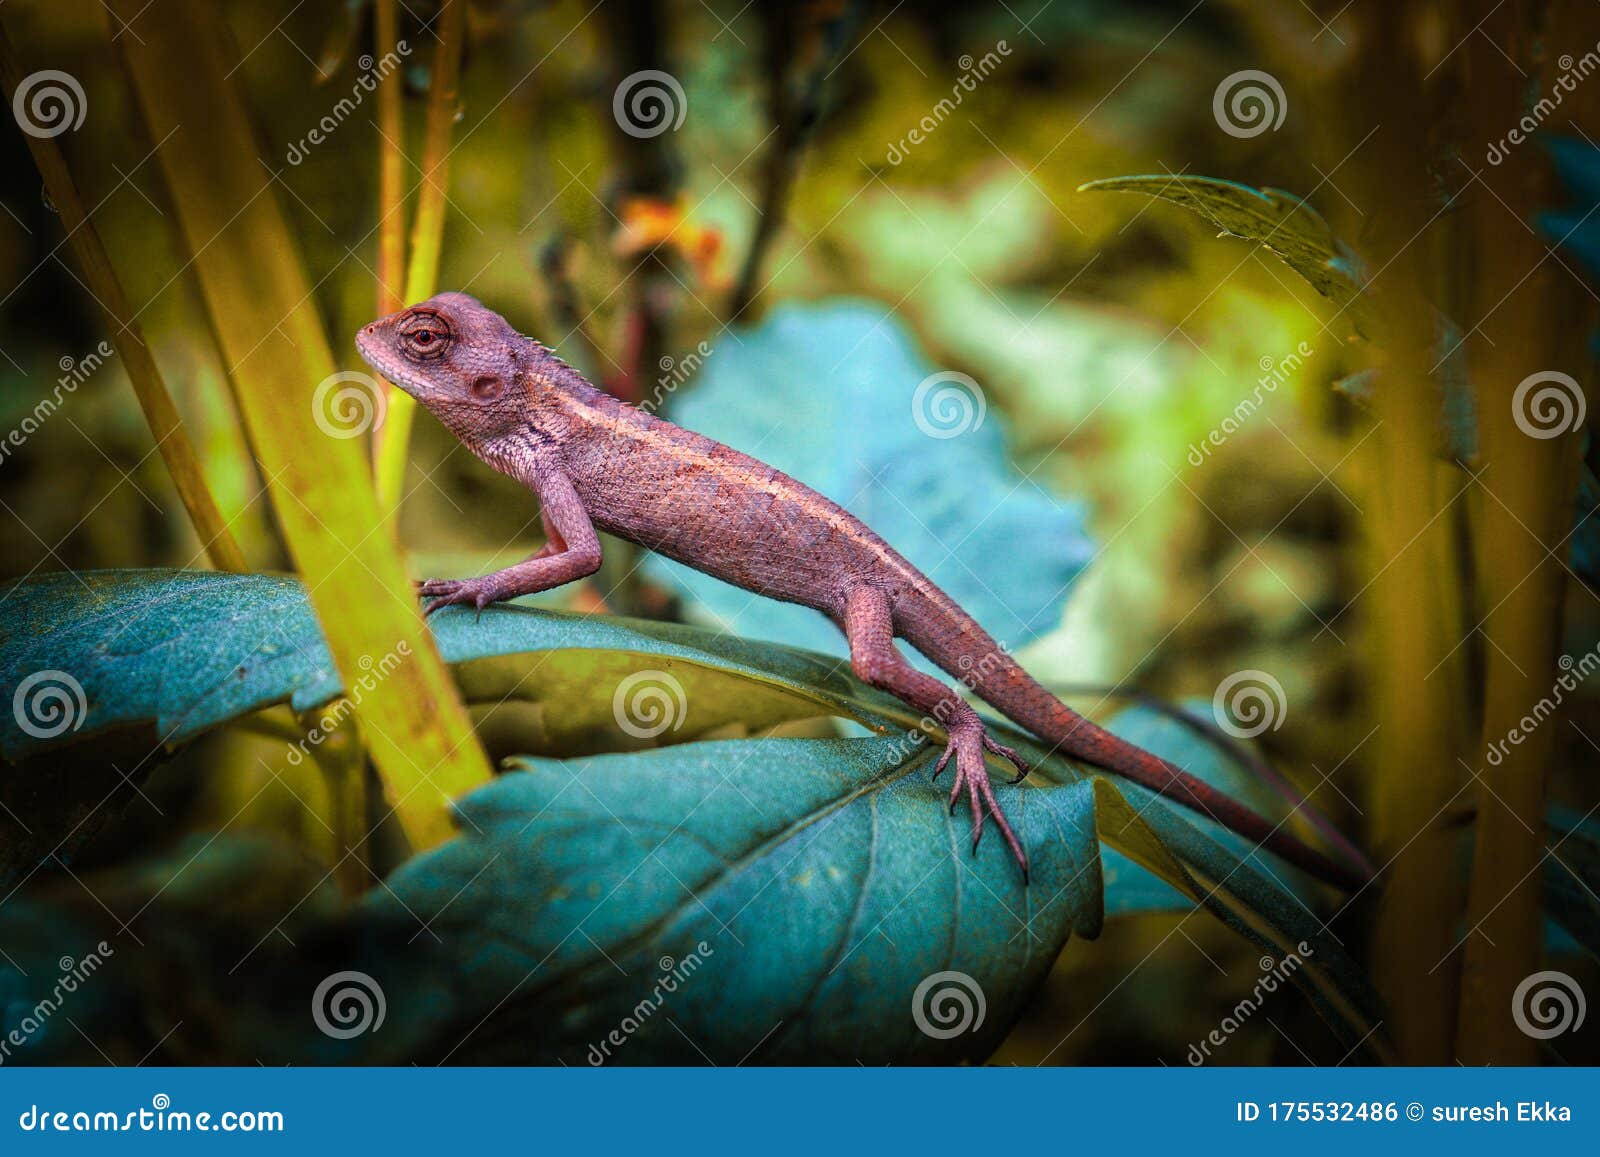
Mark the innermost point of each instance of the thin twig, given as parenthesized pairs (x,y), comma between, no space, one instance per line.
(794,112)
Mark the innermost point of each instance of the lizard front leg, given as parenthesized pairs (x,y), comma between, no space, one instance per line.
(571,552)
(869,626)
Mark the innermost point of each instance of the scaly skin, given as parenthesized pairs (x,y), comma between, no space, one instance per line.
(596,462)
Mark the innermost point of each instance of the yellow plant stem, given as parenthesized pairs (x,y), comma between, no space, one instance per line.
(1528,319)
(391,168)
(261,308)
(172,440)
(427,239)
(391,188)
(1413,617)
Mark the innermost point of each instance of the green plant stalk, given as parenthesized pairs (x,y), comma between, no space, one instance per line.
(391,168)
(391,271)
(1413,609)
(260,306)
(166,424)
(1523,325)
(391,189)
(427,240)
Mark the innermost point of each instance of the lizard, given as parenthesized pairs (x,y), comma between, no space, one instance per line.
(597,463)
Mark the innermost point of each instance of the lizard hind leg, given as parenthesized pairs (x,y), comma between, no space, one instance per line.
(869,625)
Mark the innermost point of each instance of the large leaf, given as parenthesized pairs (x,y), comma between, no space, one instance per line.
(833,395)
(736,901)
(816,885)
(790,844)
(178,652)
(811,885)
(1282,222)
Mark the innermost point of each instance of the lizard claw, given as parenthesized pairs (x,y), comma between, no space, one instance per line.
(455,592)
(433,588)
(967,744)
(1009,754)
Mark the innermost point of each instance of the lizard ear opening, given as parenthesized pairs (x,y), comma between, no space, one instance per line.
(487,388)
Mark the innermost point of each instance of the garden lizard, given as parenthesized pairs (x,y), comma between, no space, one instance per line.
(597,463)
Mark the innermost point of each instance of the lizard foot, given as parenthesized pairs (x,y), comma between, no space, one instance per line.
(968,740)
(474,592)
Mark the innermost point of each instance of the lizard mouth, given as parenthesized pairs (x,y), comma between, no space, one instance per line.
(374,355)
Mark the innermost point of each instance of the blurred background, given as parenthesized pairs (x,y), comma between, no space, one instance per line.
(824,172)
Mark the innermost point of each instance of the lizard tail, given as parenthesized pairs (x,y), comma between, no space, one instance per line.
(949,637)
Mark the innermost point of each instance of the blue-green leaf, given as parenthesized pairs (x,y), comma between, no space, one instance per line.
(810,885)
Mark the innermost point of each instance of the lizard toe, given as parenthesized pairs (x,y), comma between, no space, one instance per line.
(967,745)
(477,593)
(1010,755)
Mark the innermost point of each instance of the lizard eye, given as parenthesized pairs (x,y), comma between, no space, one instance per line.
(426,335)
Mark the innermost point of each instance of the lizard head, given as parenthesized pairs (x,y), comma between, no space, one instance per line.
(459,359)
